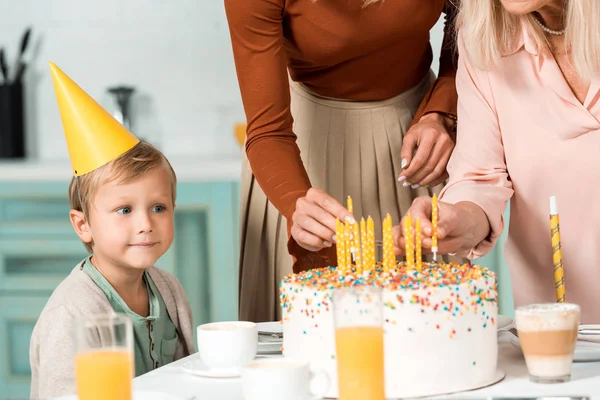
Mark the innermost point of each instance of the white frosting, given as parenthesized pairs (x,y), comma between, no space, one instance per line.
(427,351)
(545,317)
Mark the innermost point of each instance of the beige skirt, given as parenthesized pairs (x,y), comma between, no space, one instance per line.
(348,148)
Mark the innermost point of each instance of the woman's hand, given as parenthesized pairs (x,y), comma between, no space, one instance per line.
(461,226)
(314,219)
(431,138)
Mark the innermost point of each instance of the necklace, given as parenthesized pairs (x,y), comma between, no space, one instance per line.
(543,27)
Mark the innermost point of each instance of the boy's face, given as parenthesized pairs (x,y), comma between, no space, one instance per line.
(132,224)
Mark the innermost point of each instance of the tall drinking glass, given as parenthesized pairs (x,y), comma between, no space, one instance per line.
(358,316)
(104,359)
(548,334)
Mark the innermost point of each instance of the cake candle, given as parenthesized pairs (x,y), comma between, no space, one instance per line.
(434,226)
(559,272)
(356,247)
(408,241)
(371,242)
(340,245)
(391,260)
(384,228)
(348,242)
(349,205)
(418,251)
(364,245)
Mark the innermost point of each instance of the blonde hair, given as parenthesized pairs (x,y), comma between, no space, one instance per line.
(366,3)
(490,32)
(131,165)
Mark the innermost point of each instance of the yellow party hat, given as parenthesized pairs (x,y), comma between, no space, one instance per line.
(94,137)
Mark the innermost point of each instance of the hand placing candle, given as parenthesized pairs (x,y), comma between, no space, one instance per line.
(461,226)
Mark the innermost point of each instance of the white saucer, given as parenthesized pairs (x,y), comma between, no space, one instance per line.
(137,395)
(584,351)
(271,327)
(498,376)
(195,366)
(505,322)
(269,348)
(269,345)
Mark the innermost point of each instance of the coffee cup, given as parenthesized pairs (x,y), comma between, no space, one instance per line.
(548,334)
(282,378)
(229,345)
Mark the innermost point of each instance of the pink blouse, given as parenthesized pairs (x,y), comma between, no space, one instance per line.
(523,136)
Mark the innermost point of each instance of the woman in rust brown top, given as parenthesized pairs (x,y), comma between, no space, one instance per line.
(330,89)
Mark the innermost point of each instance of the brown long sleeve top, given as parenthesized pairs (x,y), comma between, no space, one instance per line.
(337,49)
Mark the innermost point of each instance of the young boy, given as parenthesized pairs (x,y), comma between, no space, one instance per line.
(122,198)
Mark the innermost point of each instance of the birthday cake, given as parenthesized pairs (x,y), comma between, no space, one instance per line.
(439,325)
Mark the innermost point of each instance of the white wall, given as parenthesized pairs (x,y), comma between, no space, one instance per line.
(176,53)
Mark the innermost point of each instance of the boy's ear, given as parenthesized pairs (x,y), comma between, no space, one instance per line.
(81,226)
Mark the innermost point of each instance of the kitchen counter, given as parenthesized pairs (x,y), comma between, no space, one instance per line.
(188,169)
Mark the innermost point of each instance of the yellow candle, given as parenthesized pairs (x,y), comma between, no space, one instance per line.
(349,206)
(418,251)
(388,244)
(434,226)
(559,271)
(408,242)
(371,243)
(356,246)
(348,240)
(364,245)
(339,234)
(384,262)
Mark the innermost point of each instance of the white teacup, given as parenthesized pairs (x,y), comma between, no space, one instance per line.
(281,378)
(227,344)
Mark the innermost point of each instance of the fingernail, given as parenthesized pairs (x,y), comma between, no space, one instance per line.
(415,186)
(406,184)
(401,178)
(326,243)
(404,163)
(349,219)
(334,238)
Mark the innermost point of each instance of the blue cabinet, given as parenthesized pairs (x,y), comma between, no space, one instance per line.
(38,248)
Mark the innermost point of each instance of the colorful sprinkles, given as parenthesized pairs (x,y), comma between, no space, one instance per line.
(432,275)
(478,289)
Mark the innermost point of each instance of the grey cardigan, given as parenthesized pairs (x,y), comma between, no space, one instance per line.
(52,347)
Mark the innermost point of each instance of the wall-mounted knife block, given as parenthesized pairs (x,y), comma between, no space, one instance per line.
(12,132)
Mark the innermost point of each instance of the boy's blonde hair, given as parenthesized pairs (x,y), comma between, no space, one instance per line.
(490,32)
(135,163)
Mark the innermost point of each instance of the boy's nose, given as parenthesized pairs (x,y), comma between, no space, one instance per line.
(144,223)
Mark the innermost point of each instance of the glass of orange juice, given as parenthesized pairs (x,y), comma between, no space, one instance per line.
(104,359)
(358,316)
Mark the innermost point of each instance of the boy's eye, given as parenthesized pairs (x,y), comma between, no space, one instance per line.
(159,208)
(124,210)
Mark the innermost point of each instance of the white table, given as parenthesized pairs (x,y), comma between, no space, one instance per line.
(585,380)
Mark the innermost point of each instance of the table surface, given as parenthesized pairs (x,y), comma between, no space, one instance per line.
(585,380)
